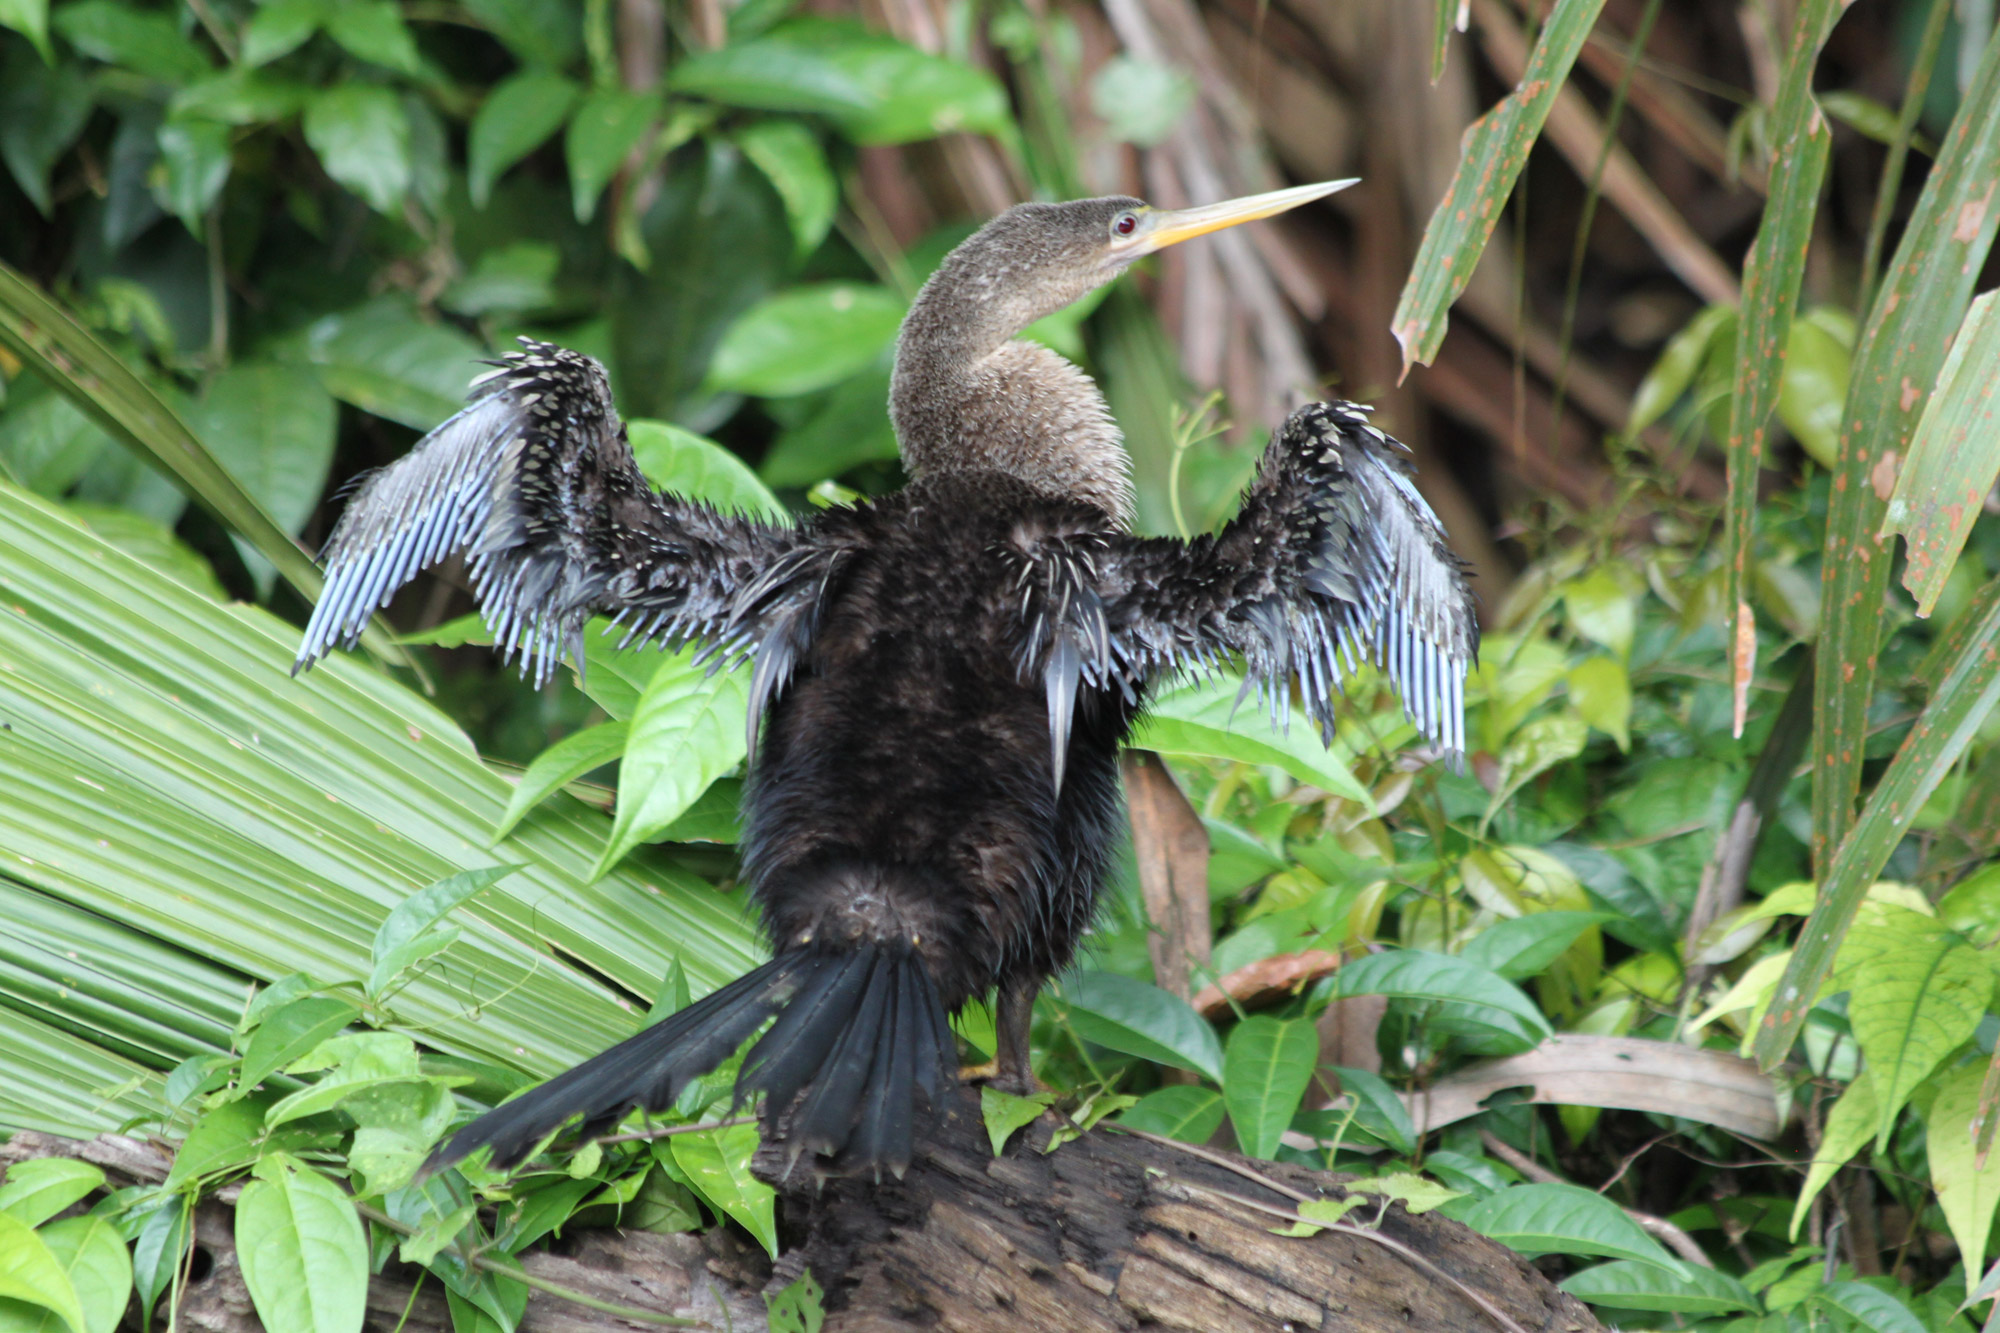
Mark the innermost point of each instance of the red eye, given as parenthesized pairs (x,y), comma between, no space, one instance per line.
(1125,224)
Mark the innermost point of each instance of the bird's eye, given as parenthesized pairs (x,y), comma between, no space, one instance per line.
(1125,224)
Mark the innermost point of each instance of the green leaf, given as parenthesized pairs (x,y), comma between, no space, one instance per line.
(1265,1070)
(290,1032)
(717,1163)
(1378,1109)
(223,1138)
(537,32)
(1813,384)
(1914,1002)
(1601,610)
(1004,1113)
(791,159)
(513,277)
(1800,137)
(1966,1190)
(1601,693)
(1521,947)
(144,41)
(1414,974)
(281,27)
(1953,460)
(303,1250)
(1869,1307)
(1204,719)
(769,74)
(1555,1218)
(1922,299)
(383,358)
(1183,1112)
(374,31)
(38,1189)
(362,136)
(607,126)
(1140,101)
(241,97)
(906,94)
(1490,157)
(272,427)
(30,18)
(1138,1019)
(561,764)
(1533,750)
(797,1308)
(517,116)
(93,1255)
(1627,1284)
(850,427)
(1964,696)
(196,155)
(1316,1215)
(158,1250)
(687,731)
(1416,1193)
(1671,375)
(46,443)
(410,932)
(42,111)
(30,1273)
(698,468)
(805,338)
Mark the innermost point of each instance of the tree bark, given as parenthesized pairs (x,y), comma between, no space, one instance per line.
(1107,1232)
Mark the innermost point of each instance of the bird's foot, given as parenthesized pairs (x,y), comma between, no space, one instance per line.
(1016,1082)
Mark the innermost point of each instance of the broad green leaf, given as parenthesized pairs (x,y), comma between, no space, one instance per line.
(401,939)
(1959,705)
(240,97)
(1140,101)
(517,116)
(1813,384)
(1601,609)
(30,18)
(1967,1191)
(1521,947)
(303,1250)
(383,358)
(697,468)
(144,41)
(196,155)
(38,1189)
(223,1138)
(1413,974)
(1205,719)
(46,443)
(1265,1070)
(1316,1215)
(99,1268)
(281,27)
(30,1273)
(850,427)
(687,731)
(1903,344)
(908,94)
(1601,692)
(1953,460)
(1671,375)
(1627,1284)
(374,31)
(272,427)
(1533,750)
(1490,157)
(1920,996)
(609,123)
(42,111)
(797,1308)
(1378,1109)
(1142,1020)
(290,1032)
(561,764)
(362,136)
(514,277)
(1555,1218)
(717,1163)
(537,32)
(1416,1193)
(1869,1307)
(791,159)
(1800,137)
(159,1250)
(1183,1112)
(805,338)
(1005,1113)
(770,74)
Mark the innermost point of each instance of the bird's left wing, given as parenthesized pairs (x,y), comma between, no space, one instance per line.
(535,481)
(1332,559)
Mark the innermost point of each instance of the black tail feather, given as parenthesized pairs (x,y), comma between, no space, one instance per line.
(859,1035)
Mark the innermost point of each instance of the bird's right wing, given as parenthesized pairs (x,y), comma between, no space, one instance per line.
(535,482)
(1333,559)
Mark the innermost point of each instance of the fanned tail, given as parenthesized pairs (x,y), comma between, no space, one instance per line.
(858,1036)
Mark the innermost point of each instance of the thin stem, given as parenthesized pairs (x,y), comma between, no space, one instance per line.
(1899,149)
(218,290)
(643,1134)
(527,1279)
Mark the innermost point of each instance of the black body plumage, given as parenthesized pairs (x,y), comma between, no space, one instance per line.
(941,681)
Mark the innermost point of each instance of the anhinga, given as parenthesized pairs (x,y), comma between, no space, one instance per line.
(942,677)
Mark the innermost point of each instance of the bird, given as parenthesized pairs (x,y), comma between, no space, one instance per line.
(941,678)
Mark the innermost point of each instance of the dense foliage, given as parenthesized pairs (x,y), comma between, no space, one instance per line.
(300,928)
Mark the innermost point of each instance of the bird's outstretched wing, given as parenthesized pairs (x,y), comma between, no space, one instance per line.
(1332,559)
(534,480)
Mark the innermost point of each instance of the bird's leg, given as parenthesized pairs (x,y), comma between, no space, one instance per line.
(1013,1013)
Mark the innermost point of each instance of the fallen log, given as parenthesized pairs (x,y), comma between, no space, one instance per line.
(1109,1232)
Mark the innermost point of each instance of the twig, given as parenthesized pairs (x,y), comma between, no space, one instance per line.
(669,1132)
(1657,1227)
(541,1284)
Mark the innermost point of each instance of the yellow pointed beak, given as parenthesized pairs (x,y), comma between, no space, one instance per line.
(1164,227)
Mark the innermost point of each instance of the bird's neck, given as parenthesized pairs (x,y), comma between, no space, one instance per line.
(969,396)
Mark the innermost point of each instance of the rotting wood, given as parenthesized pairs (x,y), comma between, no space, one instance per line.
(1110,1232)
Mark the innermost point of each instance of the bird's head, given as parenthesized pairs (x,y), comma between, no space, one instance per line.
(1035,259)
